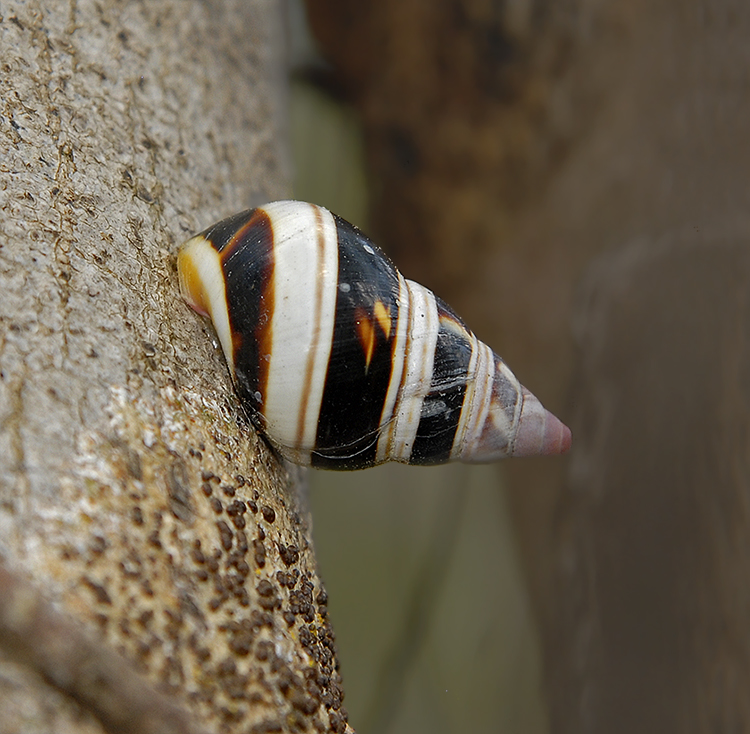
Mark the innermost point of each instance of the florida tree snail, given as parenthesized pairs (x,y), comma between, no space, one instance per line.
(345,364)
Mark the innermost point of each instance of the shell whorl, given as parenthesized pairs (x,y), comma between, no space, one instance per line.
(342,361)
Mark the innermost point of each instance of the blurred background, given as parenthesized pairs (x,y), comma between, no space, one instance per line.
(433,625)
(573,179)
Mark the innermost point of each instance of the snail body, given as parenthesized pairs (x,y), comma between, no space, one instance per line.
(344,363)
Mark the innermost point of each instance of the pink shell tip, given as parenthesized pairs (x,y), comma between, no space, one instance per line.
(539,432)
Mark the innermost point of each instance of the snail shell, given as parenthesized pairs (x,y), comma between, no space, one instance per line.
(343,362)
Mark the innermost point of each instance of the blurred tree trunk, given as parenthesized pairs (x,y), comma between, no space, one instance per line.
(132,494)
(572,177)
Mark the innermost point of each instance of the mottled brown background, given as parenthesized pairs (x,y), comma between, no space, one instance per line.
(572,177)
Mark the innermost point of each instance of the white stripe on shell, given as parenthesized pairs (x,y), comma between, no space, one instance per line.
(305,277)
(477,403)
(504,373)
(387,417)
(471,395)
(419,362)
(207,264)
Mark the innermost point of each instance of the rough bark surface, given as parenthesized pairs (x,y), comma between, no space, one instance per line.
(525,148)
(133,494)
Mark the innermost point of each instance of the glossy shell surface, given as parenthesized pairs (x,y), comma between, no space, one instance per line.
(343,362)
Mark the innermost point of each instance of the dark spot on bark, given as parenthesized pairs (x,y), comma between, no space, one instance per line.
(179,492)
(133,464)
(261,619)
(267,727)
(98,545)
(338,722)
(264,650)
(197,553)
(236,508)
(241,636)
(213,561)
(259,551)
(289,580)
(202,654)
(145,618)
(287,680)
(303,702)
(242,546)
(300,601)
(100,593)
(269,514)
(225,535)
(289,554)
(137,515)
(266,588)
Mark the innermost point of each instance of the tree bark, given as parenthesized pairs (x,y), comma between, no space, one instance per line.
(134,495)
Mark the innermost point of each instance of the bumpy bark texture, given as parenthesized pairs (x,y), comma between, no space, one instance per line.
(133,494)
(553,165)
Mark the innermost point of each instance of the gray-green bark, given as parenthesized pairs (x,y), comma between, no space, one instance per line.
(133,495)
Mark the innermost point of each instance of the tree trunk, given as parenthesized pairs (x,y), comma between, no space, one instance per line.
(134,495)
